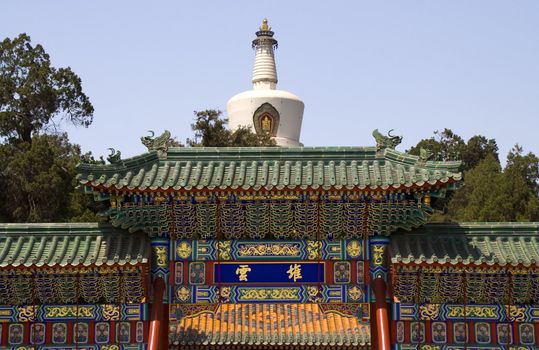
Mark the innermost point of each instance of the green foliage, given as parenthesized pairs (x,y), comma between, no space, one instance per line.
(479,199)
(37,181)
(446,145)
(478,148)
(523,166)
(492,195)
(38,169)
(33,93)
(211,131)
(489,193)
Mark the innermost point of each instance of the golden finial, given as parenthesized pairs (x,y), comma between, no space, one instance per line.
(265,26)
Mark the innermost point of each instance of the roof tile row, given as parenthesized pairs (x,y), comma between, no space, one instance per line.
(270,324)
(48,245)
(268,168)
(468,243)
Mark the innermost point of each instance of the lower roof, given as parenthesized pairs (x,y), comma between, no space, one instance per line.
(70,245)
(494,243)
(238,325)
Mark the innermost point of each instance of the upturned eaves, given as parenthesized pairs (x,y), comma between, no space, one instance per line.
(257,168)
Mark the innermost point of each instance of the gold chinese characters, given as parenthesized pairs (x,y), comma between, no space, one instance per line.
(241,271)
(294,272)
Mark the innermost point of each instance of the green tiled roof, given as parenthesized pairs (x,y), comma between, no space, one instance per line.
(468,243)
(270,168)
(81,244)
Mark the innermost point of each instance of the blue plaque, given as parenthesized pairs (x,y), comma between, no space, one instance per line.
(270,272)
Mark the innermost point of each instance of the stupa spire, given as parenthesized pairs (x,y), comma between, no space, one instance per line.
(264,70)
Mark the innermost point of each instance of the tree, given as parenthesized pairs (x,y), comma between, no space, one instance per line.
(523,166)
(38,167)
(476,149)
(492,195)
(522,176)
(482,196)
(37,181)
(446,145)
(34,95)
(211,131)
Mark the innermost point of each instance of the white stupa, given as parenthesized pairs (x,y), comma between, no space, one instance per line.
(264,108)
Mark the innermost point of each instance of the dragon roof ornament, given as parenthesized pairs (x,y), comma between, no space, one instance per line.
(115,157)
(425,155)
(159,143)
(383,142)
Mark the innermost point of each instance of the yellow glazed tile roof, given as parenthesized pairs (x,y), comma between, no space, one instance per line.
(269,324)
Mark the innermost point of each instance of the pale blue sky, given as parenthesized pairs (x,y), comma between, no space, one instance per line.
(412,66)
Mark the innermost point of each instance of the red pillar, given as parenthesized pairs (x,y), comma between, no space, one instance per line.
(163,342)
(382,320)
(158,322)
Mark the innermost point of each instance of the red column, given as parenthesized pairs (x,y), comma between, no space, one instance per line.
(163,342)
(158,323)
(382,321)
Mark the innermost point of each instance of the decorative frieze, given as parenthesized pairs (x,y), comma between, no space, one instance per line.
(269,294)
(464,335)
(448,312)
(466,284)
(95,312)
(241,250)
(112,285)
(311,216)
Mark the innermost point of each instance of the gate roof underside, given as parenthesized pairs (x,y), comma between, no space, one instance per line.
(270,325)
(269,168)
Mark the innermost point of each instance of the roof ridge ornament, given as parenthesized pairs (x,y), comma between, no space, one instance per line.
(115,157)
(383,142)
(159,143)
(425,155)
(88,158)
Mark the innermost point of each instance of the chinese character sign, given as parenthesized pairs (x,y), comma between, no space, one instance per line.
(258,272)
(242,272)
(294,272)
